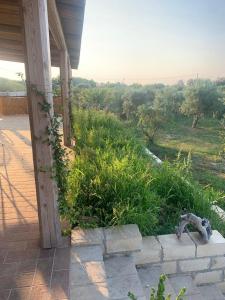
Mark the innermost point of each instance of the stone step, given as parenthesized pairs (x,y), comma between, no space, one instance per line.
(149,277)
(211,292)
(122,278)
(184,281)
(87,272)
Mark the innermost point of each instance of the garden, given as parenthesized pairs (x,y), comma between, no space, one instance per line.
(113,181)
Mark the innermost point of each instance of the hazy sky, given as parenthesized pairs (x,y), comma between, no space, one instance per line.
(150,40)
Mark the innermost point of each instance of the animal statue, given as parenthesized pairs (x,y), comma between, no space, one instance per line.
(202,225)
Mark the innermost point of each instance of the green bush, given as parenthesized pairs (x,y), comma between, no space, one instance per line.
(114,182)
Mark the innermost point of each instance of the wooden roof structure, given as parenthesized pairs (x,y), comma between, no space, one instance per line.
(41,34)
(68,14)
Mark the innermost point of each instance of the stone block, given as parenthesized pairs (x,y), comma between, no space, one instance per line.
(221,286)
(86,253)
(169,267)
(98,291)
(194,297)
(184,281)
(122,265)
(119,287)
(174,248)
(211,292)
(208,277)
(217,262)
(150,253)
(82,274)
(192,265)
(215,246)
(85,237)
(120,239)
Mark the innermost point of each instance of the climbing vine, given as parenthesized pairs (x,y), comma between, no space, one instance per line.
(60,168)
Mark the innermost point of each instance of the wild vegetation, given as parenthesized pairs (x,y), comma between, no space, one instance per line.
(183,117)
(8,85)
(113,181)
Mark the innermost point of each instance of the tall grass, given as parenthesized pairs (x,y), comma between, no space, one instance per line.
(113,181)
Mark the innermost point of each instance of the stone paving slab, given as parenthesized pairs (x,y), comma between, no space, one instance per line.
(174,248)
(87,237)
(211,293)
(82,274)
(215,245)
(151,251)
(119,287)
(126,238)
(120,266)
(85,254)
(149,277)
(98,291)
(179,282)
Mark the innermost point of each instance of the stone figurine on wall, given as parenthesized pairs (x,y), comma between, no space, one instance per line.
(202,225)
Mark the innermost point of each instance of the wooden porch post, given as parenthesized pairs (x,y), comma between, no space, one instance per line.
(39,89)
(64,78)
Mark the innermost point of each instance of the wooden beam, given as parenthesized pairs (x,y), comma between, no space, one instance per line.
(10,32)
(55,25)
(10,19)
(11,44)
(64,78)
(40,92)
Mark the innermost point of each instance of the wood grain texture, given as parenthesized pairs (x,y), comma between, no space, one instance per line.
(66,24)
(64,78)
(38,75)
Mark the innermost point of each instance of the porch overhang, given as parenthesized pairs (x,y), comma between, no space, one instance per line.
(65,24)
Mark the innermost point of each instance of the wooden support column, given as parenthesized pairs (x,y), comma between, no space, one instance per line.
(64,78)
(39,89)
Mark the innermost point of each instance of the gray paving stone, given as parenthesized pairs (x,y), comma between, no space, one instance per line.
(82,274)
(138,298)
(120,265)
(174,248)
(150,252)
(81,237)
(120,287)
(211,292)
(208,277)
(98,291)
(86,253)
(194,297)
(215,246)
(149,277)
(179,282)
(126,238)
(191,265)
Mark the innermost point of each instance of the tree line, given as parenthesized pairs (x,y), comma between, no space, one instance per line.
(150,106)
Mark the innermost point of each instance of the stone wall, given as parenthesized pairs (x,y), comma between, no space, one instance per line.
(11,105)
(205,262)
(189,255)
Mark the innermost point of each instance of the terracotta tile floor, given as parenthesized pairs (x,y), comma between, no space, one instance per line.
(26,270)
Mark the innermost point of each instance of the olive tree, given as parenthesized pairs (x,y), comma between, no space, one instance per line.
(149,121)
(200,100)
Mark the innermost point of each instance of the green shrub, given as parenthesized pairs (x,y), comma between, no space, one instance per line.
(114,182)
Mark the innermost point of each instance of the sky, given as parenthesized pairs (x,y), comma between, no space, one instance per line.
(148,41)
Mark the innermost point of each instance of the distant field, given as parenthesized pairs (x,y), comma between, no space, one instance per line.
(204,143)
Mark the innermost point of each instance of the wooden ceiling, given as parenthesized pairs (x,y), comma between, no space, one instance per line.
(71,14)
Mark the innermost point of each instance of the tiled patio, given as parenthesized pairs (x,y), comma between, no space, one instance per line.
(26,270)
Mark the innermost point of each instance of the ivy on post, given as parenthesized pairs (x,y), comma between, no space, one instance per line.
(40,103)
